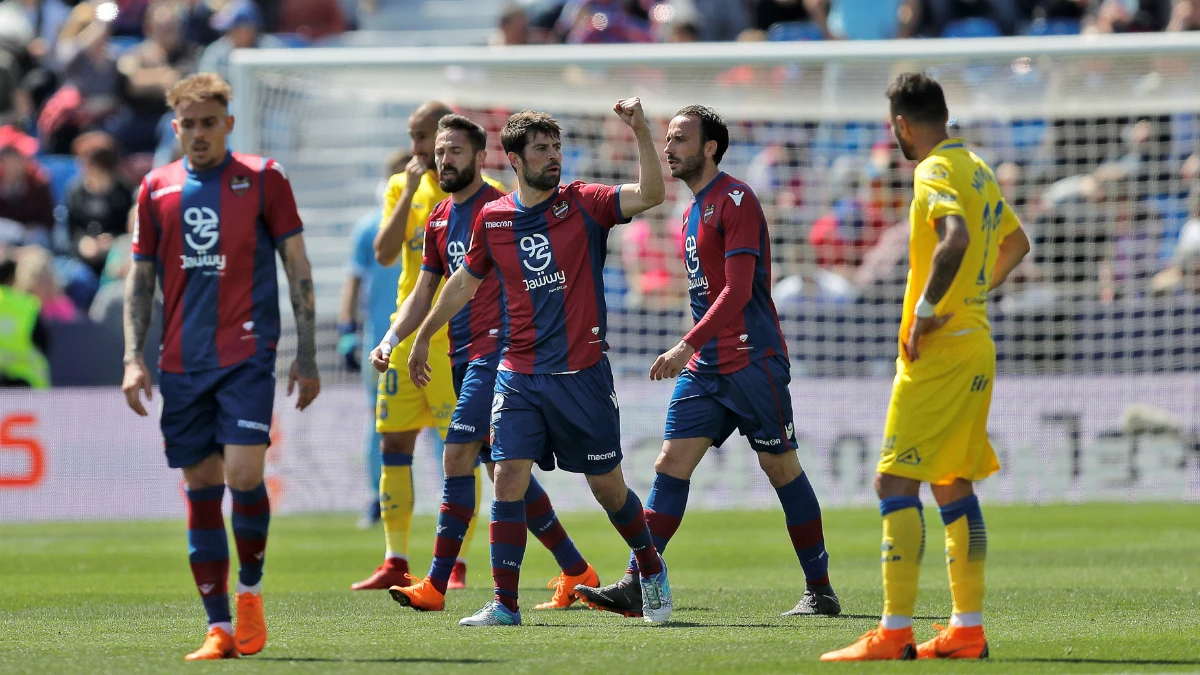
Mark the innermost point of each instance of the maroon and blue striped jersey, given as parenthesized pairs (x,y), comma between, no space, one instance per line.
(549,258)
(212,235)
(725,219)
(476,331)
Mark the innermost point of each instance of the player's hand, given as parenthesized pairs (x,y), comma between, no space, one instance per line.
(413,172)
(418,364)
(923,327)
(630,112)
(304,374)
(135,381)
(671,363)
(381,356)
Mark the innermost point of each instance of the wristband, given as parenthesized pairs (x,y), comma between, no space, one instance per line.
(925,309)
(388,342)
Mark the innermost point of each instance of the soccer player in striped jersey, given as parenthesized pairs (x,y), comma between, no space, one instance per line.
(554,397)
(476,334)
(964,241)
(208,228)
(733,365)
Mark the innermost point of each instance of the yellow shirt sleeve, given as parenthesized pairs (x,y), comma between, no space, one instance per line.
(1009,222)
(936,195)
(391,194)
(494,183)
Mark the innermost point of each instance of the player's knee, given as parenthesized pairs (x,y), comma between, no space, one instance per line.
(780,469)
(679,459)
(243,478)
(399,442)
(887,485)
(459,459)
(609,490)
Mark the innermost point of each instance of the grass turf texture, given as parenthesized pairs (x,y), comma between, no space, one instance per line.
(1098,588)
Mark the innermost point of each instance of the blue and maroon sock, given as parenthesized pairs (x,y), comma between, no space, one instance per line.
(458,505)
(664,512)
(630,521)
(251,519)
(803,517)
(208,551)
(544,524)
(508,549)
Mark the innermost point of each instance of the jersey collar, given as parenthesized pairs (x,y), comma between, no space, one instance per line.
(950,144)
(700,195)
(208,173)
(470,200)
(536,207)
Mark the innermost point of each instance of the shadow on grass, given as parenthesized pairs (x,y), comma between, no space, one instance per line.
(415,659)
(1112,662)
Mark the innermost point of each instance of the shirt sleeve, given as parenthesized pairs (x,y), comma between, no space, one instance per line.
(431,254)
(1009,222)
(603,202)
(937,197)
(739,285)
(283,220)
(478,261)
(391,195)
(145,234)
(742,222)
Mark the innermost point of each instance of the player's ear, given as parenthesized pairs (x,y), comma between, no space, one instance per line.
(228,123)
(175,126)
(514,161)
(480,157)
(710,149)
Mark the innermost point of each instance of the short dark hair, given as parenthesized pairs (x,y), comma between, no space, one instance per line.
(521,127)
(712,127)
(919,98)
(475,133)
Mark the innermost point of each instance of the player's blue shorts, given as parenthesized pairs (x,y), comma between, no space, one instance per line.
(754,400)
(475,384)
(571,418)
(204,411)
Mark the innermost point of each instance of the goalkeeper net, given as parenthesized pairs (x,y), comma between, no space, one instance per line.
(1094,141)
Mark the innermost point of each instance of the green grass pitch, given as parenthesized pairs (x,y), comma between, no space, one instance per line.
(1098,588)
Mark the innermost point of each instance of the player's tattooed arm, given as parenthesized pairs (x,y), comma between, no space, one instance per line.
(300,286)
(953,240)
(139,303)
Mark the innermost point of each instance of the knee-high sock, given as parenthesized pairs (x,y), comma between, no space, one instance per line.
(458,510)
(208,551)
(251,519)
(544,524)
(508,550)
(474,523)
(803,516)
(396,503)
(966,552)
(630,521)
(902,550)
(664,512)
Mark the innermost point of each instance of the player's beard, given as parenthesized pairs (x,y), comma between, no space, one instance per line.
(461,179)
(542,180)
(689,168)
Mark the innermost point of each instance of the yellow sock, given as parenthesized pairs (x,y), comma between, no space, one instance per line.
(901,553)
(466,544)
(396,503)
(966,552)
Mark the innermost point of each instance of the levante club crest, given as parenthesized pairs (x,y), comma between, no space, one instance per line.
(239,185)
(708,212)
(560,209)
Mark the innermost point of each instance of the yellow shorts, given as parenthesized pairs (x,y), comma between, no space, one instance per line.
(400,406)
(936,428)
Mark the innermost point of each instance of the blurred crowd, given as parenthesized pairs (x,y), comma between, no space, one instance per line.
(614,21)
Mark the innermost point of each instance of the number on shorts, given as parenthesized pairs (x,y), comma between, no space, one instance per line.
(391,382)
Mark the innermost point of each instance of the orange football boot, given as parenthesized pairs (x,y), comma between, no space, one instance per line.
(955,642)
(390,573)
(217,645)
(458,577)
(421,596)
(878,644)
(564,589)
(250,633)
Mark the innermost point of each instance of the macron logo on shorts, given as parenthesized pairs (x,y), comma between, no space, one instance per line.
(459,426)
(601,458)
(256,426)
(769,443)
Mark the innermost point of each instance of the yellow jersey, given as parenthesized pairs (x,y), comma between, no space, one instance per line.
(955,181)
(427,196)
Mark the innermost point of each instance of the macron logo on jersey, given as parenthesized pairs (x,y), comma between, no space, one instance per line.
(204,234)
(497,223)
(736,196)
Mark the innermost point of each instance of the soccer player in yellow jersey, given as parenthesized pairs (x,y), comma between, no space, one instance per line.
(401,409)
(964,241)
